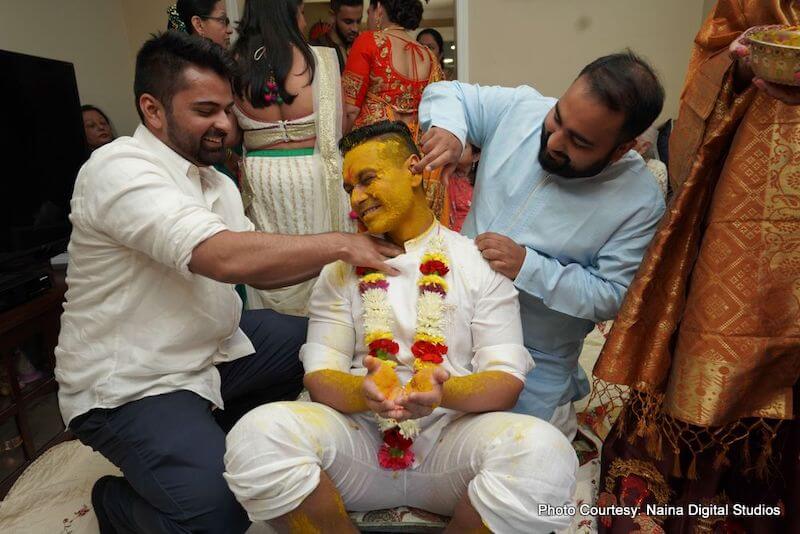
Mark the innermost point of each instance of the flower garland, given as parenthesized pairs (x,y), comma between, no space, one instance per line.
(429,347)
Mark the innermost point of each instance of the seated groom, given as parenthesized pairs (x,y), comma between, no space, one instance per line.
(410,376)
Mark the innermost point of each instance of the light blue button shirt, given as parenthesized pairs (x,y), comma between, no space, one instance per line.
(584,237)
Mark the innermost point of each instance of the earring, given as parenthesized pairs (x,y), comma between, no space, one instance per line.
(380,22)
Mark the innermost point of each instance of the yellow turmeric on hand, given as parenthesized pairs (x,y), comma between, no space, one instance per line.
(386,380)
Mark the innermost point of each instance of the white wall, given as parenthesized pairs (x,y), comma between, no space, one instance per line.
(707,5)
(545,43)
(91,34)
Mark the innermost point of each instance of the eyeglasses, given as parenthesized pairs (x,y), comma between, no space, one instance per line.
(222,20)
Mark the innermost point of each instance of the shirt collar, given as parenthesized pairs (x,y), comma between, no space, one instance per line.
(422,239)
(179,164)
(169,156)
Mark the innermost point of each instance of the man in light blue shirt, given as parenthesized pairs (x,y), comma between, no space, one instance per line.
(562,204)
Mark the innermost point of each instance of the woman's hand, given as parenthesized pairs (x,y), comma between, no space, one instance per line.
(787,94)
(739,51)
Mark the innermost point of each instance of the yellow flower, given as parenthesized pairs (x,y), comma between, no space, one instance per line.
(435,256)
(432,279)
(430,339)
(374,336)
(372,277)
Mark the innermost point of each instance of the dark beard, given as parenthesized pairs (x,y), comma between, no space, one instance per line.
(565,169)
(193,149)
(342,38)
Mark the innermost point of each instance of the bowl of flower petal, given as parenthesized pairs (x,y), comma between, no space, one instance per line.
(775,53)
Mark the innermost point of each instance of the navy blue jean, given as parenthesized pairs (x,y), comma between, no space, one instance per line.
(170,447)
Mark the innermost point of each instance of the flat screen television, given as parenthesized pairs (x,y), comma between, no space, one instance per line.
(43,146)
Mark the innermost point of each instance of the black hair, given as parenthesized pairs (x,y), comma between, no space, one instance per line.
(191,8)
(436,37)
(406,13)
(336,4)
(625,82)
(270,25)
(163,58)
(381,129)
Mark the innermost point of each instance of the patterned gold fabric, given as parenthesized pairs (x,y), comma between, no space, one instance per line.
(711,324)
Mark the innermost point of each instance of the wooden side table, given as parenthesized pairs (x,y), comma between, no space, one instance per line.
(30,421)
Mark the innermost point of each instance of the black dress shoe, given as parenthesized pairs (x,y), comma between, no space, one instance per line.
(98,492)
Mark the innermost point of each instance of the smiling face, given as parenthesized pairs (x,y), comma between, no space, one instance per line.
(580,135)
(383,191)
(198,119)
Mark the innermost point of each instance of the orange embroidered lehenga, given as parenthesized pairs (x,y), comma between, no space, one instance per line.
(707,342)
(371,83)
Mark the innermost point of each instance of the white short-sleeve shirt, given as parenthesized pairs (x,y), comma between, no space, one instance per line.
(137,322)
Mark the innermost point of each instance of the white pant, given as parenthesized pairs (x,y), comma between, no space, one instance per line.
(566,420)
(510,464)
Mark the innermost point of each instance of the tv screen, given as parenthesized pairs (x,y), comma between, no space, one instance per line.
(44,146)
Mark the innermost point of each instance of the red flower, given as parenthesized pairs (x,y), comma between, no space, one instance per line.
(395,453)
(385,344)
(395,459)
(363,287)
(383,349)
(395,440)
(421,348)
(433,288)
(431,357)
(434,267)
(361,271)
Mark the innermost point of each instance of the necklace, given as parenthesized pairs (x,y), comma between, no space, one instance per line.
(429,347)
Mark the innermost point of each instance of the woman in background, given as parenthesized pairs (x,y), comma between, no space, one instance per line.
(432,39)
(384,77)
(97,127)
(289,106)
(206,18)
(461,184)
(704,355)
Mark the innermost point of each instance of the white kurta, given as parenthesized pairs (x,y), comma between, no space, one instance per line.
(482,324)
(509,463)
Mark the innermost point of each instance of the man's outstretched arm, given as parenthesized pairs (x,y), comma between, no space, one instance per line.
(267,261)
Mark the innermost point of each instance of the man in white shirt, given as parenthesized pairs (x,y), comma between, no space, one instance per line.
(447,313)
(150,338)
